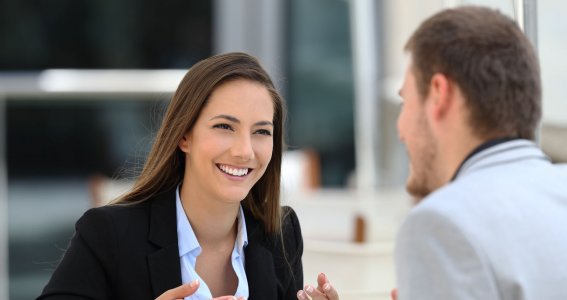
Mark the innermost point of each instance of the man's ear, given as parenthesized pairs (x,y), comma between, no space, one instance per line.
(185,143)
(440,96)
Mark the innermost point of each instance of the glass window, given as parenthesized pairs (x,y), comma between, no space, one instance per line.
(122,34)
(320,85)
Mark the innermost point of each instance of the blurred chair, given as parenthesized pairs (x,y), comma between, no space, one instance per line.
(301,171)
(358,271)
(554,141)
(349,235)
(104,189)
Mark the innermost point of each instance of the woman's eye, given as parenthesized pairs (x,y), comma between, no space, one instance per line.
(264,132)
(223,126)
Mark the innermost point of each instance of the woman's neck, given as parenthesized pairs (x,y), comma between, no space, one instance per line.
(214,222)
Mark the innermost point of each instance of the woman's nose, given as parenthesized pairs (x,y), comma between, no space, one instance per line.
(242,148)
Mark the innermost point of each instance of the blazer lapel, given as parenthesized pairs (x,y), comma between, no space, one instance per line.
(259,263)
(164,265)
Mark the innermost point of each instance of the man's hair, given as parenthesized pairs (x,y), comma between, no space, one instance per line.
(486,54)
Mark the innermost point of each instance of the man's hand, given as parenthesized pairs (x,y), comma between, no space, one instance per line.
(394,294)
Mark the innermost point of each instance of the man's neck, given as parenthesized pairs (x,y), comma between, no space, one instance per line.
(453,156)
(483,146)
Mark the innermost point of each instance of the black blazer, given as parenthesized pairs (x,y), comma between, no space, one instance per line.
(131,252)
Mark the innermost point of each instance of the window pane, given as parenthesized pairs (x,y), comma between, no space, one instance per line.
(320,92)
(103,34)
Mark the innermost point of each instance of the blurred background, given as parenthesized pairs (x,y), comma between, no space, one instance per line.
(83,85)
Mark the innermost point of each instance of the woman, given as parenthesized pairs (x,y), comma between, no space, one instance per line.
(205,211)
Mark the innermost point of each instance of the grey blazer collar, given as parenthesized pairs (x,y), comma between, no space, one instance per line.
(504,153)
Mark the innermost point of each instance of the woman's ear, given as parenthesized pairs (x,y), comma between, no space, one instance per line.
(185,143)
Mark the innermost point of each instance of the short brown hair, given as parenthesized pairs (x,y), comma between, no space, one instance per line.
(486,54)
(164,168)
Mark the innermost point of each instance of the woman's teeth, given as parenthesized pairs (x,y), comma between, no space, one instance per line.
(233,171)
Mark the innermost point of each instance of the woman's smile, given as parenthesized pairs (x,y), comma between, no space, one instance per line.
(234,171)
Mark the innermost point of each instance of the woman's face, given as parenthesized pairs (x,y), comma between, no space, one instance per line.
(230,145)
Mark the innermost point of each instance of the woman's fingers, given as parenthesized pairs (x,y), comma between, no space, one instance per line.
(325,287)
(189,289)
(180,292)
(324,290)
(312,292)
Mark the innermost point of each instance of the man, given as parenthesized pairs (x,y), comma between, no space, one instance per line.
(492,222)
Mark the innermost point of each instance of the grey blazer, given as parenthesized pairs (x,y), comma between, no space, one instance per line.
(498,231)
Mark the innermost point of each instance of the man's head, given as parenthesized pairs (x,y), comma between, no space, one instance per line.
(485,53)
(415,131)
(481,58)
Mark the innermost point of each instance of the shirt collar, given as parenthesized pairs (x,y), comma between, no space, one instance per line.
(187,241)
(480,148)
(242,235)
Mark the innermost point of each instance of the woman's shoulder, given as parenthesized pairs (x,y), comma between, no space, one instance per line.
(112,215)
(290,227)
(107,226)
(289,219)
(132,207)
(289,238)
(118,209)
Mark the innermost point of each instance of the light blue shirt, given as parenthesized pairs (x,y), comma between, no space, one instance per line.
(189,249)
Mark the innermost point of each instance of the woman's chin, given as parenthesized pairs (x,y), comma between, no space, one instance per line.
(235,197)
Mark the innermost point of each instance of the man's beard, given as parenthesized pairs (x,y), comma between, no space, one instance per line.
(422,178)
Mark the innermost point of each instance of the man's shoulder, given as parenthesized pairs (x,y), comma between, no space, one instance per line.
(461,205)
(452,199)
(475,202)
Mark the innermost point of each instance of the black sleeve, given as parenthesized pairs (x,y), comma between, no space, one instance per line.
(293,245)
(83,272)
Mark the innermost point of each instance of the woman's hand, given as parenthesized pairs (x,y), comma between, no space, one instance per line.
(185,290)
(324,290)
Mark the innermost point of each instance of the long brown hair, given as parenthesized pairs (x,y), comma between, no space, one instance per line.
(164,167)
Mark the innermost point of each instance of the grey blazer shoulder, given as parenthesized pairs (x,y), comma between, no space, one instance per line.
(131,252)
(496,232)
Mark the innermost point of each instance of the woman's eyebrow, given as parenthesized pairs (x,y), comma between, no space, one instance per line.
(236,120)
(264,123)
(227,117)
